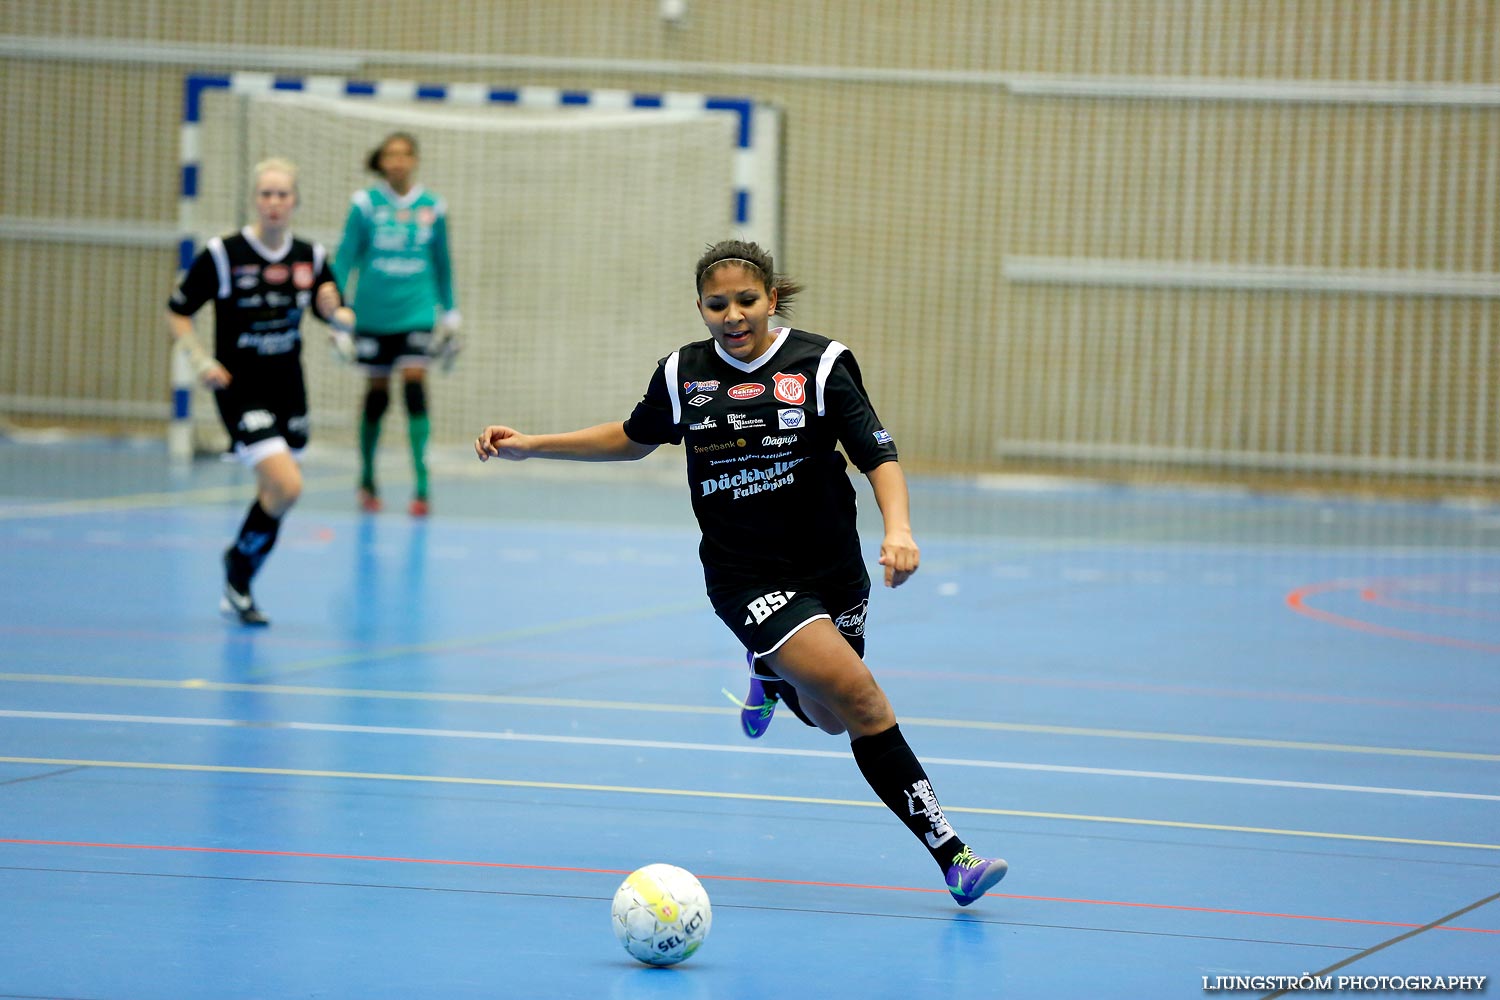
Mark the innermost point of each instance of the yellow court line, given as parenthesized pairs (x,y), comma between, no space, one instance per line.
(1197,738)
(509,635)
(739,796)
(140,501)
(196,684)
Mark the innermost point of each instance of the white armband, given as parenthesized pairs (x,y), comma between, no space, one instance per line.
(200,359)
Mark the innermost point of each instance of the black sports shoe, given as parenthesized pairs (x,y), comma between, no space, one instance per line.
(236,601)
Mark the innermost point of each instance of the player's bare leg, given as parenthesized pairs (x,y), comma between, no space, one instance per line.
(830,676)
(832,681)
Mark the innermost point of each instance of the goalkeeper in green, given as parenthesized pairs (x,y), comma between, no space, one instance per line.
(394,253)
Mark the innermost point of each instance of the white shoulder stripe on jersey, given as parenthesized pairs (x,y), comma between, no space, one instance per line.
(825,368)
(362,199)
(319,255)
(671,372)
(221,264)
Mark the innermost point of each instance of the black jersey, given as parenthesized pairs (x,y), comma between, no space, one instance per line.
(770,489)
(259,297)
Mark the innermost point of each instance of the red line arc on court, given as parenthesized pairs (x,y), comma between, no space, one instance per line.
(1298,599)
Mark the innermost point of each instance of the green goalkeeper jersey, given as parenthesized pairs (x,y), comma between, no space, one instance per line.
(395,249)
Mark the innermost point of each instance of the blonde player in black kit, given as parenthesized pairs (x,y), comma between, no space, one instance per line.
(760,411)
(261,280)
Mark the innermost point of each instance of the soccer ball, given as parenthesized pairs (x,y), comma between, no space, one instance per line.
(661,914)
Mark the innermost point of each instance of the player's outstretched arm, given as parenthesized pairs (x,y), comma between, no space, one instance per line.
(600,443)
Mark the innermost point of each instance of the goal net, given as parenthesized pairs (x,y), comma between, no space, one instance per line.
(572,231)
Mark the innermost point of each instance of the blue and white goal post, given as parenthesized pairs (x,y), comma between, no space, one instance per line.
(634,176)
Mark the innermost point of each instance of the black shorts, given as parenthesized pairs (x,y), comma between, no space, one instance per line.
(257,411)
(763,618)
(378,353)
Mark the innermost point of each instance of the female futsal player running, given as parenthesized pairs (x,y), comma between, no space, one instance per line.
(260,280)
(759,411)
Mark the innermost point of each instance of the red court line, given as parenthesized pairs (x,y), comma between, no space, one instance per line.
(188,849)
(1380,595)
(1297,601)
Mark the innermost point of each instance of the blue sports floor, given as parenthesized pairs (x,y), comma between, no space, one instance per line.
(1214,734)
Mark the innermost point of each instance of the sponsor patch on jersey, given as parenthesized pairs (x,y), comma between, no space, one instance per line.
(791,419)
(707,385)
(706,424)
(778,441)
(746,390)
(426,216)
(276,274)
(742,422)
(750,480)
(790,388)
(882,436)
(302,274)
(700,399)
(403,215)
(247,281)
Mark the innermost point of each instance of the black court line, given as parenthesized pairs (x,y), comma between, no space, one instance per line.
(1395,940)
(969,917)
(39,777)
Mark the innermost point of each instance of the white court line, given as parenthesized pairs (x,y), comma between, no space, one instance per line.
(473,734)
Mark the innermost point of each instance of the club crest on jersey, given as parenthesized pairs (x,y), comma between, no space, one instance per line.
(707,385)
(302,274)
(746,390)
(790,388)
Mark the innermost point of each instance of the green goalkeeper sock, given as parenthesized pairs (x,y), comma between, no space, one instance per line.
(418,429)
(369,437)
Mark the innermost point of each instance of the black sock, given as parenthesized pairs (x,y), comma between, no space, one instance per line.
(250,549)
(896,775)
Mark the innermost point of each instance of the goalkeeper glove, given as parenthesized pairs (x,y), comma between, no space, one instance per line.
(448,342)
(340,337)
